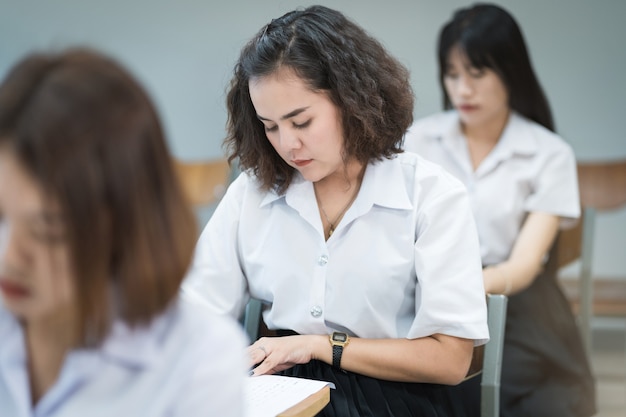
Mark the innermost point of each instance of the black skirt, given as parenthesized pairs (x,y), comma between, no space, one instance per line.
(545,369)
(357,395)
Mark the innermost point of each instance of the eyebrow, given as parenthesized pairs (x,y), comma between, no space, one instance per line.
(286,116)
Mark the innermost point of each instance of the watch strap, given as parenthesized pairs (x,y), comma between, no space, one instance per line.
(337,352)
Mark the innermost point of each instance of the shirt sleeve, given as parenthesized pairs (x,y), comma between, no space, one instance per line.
(215,363)
(450,295)
(556,187)
(215,277)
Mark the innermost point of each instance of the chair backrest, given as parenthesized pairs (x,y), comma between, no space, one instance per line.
(204,182)
(602,187)
(602,184)
(568,245)
(251,320)
(492,360)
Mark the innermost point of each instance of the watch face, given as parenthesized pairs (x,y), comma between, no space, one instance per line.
(340,337)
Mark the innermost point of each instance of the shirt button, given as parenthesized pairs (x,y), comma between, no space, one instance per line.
(323,260)
(316,311)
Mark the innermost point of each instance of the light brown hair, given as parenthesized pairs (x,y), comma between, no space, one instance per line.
(90,136)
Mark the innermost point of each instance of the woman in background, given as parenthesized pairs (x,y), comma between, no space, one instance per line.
(497,136)
(366,258)
(95,238)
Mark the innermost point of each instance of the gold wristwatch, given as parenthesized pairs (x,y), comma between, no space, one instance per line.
(338,340)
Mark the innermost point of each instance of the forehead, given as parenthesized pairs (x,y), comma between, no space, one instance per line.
(280,92)
(457,56)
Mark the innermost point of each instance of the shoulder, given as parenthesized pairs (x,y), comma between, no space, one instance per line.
(245,183)
(428,179)
(245,193)
(426,132)
(546,141)
(201,326)
(433,125)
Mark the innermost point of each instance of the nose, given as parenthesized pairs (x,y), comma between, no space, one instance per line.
(465,86)
(289,139)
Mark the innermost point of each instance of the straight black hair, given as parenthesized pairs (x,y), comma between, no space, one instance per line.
(491,38)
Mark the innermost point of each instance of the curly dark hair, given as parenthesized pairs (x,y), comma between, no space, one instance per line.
(330,54)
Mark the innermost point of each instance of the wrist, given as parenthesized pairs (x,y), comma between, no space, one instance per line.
(319,348)
(500,281)
(338,341)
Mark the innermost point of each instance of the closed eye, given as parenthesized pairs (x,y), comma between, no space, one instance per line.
(476,73)
(302,125)
(270,129)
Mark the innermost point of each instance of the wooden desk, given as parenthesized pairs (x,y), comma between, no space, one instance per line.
(310,406)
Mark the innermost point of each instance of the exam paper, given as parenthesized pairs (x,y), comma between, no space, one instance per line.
(270,395)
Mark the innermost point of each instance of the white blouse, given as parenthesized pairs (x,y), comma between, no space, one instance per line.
(403,262)
(531,169)
(187,362)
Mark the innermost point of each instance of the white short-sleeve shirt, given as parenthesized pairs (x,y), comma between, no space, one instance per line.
(403,262)
(531,169)
(187,362)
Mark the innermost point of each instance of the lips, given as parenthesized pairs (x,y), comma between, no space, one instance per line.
(12,290)
(467,107)
(301,162)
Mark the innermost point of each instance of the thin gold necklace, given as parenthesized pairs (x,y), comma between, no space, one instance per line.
(333,224)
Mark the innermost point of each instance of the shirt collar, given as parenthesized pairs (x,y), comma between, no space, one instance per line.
(516,139)
(137,346)
(12,346)
(383,185)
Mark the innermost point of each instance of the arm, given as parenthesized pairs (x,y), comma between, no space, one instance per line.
(438,358)
(526,259)
(215,278)
(211,378)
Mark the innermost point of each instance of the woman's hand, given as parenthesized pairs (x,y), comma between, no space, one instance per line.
(275,354)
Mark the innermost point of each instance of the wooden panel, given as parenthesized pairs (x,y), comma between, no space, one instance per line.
(204,181)
(609,295)
(602,185)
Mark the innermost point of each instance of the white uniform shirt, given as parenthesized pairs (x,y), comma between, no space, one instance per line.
(403,262)
(185,363)
(531,169)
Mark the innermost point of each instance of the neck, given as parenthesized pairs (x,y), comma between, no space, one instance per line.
(336,193)
(48,340)
(481,139)
(344,179)
(488,132)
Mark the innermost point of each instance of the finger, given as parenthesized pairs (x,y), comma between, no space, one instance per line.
(268,367)
(257,354)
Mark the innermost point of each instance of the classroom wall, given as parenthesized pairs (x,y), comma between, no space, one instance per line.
(184,51)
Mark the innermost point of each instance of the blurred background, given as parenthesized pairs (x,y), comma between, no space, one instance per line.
(184,52)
